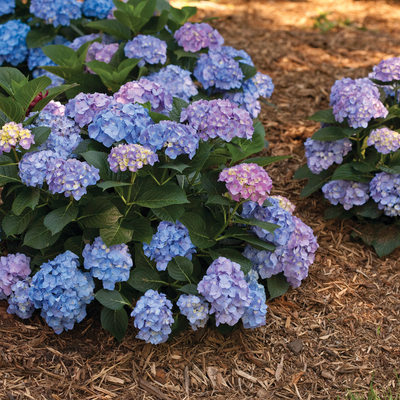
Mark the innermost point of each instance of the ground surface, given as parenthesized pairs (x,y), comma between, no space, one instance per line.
(346,314)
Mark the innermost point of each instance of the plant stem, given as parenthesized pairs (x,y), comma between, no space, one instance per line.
(228,220)
(16,155)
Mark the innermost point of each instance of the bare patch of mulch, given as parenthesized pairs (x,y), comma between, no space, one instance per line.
(330,335)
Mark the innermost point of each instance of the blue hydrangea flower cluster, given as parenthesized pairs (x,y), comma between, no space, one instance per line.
(148,48)
(19,301)
(153,317)
(171,240)
(174,137)
(97,8)
(143,91)
(265,262)
(284,203)
(56,12)
(6,7)
(232,53)
(322,154)
(109,264)
(119,122)
(384,140)
(387,70)
(385,190)
(225,288)
(347,193)
(254,315)
(358,101)
(81,40)
(13,42)
(71,177)
(176,81)
(62,291)
(218,118)
(195,309)
(13,268)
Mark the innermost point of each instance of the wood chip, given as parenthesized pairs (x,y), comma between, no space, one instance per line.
(151,389)
(279,369)
(295,346)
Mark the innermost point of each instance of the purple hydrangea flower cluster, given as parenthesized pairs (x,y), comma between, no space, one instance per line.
(119,122)
(13,135)
(109,264)
(175,81)
(71,177)
(195,309)
(143,91)
(174,137)
(385,140)
(387,70)
(6,7)
(322,154)
(56,12)
(81,40)
(62,291)
(358,100)
(225,288)
(232,53)
(247,181)
(171,240)
(153,317)
(148,48)
(55,108)
(385,190)
(13,268)
(347,193)
(19,301)
(97,8)
(131,156)
(13,42)
(218,118)
(194,37)
(101,52)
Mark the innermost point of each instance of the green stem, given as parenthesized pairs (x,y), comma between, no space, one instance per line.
(133,177)
(16,155)
(77,30)
(228,220)
(154,178)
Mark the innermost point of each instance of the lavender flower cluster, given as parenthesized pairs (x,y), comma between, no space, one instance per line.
(384,140)
(387,70)
(148,48)
(19,301)
(347,193)
(195,309)
(385,190)
(13,268)
(101,52)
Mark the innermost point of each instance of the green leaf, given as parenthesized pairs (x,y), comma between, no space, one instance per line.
(8,173)
(15,224)
(348,173)
(113,27)
(255,222)
(180,268)
(199,159)
(324,116)
(183,14)
(40,37)
(177,166)
(368,210)
(211,184)
(303,172)
(66,72)
(241,234)
(141,260)
(3,119)
(277,285)
(62,55)
(7,75)
(41,134)
(190,288)
(111,299)
(29,197)
(11,109)
(182,53)
(39,237)
(115,322)
(169,213)
(248,70)
(177,106)
(329,133)
(315,182)
(237,257)
(74,244)
(144,279)
(56,220)
(142,230)
(264,161)
(53,93)
(100,213)
(110,184)
(334,212)
(197,230)
(218,199)
(156,117)
(28,92)
(116,234)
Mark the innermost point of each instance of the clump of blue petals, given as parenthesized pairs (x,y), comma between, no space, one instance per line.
(19,301)
(195,309)
(56,12)
(97,8)
(347,193)
(6,7)
(232,53)
(149,49)
(385,190)
(13,47)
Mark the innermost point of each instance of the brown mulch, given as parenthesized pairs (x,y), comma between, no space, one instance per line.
(330,335)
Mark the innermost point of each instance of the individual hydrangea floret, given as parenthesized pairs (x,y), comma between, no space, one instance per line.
(347,193)
(143,91)
(247,181)
(225,288)
(56,12)
(176,138)
(385,190)
(13,47)
(194,37)
(322,154)
(387,70)
(109,264)
(218,118)
(13,135)
(171,240)
(13,268)
(284,203)
(148,48)
(62,291)
(131,156)
(233,53)
(176,81)
(71,177)
(119,122)
(101,52)
(385,140)
(97,8)
(6,7)
(153,317)
(81,40)
(19,301)
(195,309)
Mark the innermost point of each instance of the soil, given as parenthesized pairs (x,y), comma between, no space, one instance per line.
(338,331)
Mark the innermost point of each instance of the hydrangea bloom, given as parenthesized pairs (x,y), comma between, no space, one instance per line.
(119,122)
(218,70)
(322,154)
(62,291)
(81,40)
(218,118)
(175,81)
(143,91)
(148,48)
(176,138)
(385,190)
(13,42)
(232,53)
(226,289)
(101,52)
(284,203)
(54,108)
(195,309)
(13,134)
(247,181)
(265,262)
(254,315)
(109,264)
(56,12)
(71,177)
(19,301)
(13,268)
(97,8)
(358,100)
(131,156)
(347,193)
(6,7)
(385,140)
(194,37)
(171,240)
(387,70)
(153,317)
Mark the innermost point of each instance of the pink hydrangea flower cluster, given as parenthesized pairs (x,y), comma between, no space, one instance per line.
(13,268)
